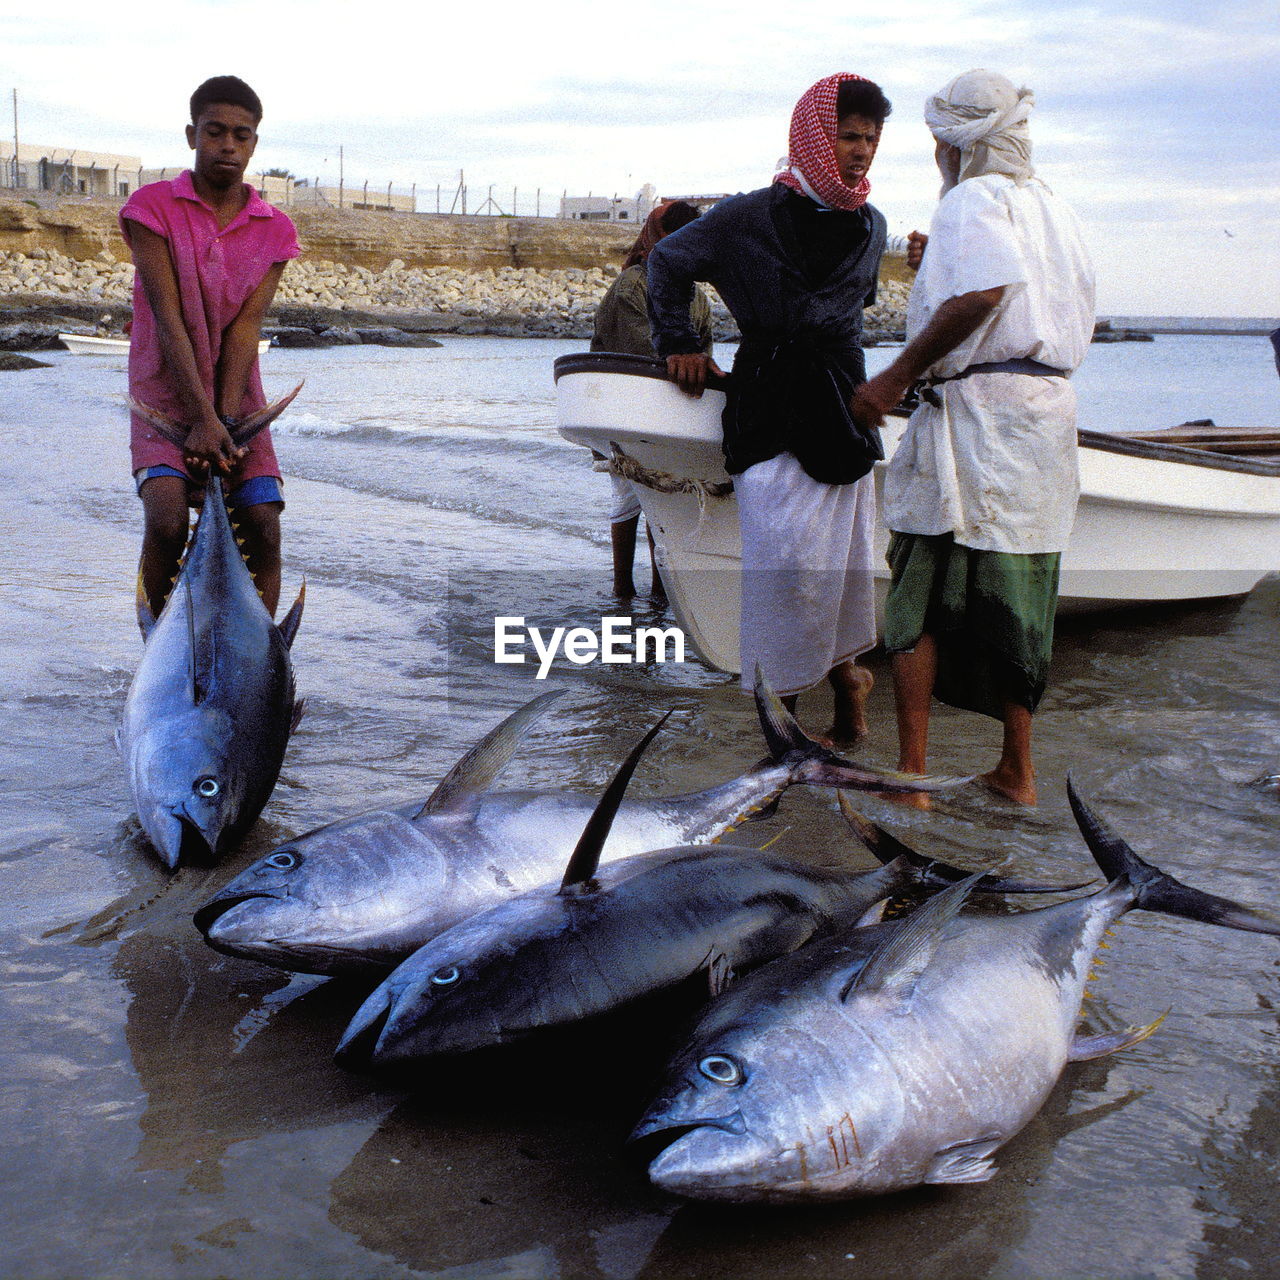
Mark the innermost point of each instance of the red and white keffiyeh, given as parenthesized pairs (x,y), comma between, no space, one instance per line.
(810,163)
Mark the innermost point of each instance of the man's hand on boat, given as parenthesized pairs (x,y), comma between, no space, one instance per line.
(689,372)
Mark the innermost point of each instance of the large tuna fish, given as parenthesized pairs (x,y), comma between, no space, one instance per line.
(602,937)
(902,1053)
(212,705)
(363,894)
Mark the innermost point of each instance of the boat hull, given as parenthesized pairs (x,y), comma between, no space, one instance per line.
(1153,526)
(84,344)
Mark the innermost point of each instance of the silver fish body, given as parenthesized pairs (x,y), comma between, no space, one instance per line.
(553,956)
(211,706)
(903,1053)
(789,1092)
(363,894)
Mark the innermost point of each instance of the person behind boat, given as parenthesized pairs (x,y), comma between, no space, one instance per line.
(622,325)
(981,494)
(795,262)
(208,253)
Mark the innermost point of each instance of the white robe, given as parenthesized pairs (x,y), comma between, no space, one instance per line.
(996,464)
(808,590)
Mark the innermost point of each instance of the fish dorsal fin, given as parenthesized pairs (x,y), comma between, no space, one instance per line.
(899,961)
(262,418)
(968,1161)
(585,859)
(476,770)
(292,619)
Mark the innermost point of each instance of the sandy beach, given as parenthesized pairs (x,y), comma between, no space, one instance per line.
(172,1112)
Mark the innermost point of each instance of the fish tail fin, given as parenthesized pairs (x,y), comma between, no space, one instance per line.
(172,430)
(816,765)
(260,419)
(1155,890)
(929,872)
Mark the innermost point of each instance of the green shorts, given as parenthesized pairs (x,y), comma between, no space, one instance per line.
(991,613)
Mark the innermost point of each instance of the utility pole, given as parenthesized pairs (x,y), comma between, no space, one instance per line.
(342,174)
(15,137)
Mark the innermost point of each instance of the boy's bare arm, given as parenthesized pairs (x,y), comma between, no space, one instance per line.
(207,439)
(240,344)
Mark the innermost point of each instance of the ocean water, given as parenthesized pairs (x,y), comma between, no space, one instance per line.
(172,1112)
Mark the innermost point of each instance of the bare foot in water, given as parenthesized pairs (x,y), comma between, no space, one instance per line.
(910,799)
(1013,785)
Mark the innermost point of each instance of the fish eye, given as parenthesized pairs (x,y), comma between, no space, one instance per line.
(446,977)
(720,1070)
(207,787)
(284,860)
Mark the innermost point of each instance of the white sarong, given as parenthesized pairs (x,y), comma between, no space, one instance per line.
(808,594)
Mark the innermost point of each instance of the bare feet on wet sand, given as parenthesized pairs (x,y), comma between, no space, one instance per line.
(1013,784)
(910,799)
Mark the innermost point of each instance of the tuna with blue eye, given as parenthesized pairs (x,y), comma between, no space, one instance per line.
(375,887)
(212,705)
(907,1052)
(606,935)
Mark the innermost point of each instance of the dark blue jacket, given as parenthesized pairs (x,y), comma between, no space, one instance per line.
(801,354)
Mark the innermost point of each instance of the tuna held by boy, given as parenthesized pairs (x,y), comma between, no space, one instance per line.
(211,708)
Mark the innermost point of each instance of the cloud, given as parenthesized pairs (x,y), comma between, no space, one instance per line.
(1153,118)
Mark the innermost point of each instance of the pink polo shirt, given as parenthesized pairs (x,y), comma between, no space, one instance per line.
(217,272)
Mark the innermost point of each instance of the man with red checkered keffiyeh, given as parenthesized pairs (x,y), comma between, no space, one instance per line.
(795,262)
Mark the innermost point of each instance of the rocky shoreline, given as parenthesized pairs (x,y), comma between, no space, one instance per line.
(323,303)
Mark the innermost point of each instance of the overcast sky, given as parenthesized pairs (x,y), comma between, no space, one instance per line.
(1158,121)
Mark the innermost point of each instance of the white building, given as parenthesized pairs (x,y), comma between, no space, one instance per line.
(610,208)
(70,171)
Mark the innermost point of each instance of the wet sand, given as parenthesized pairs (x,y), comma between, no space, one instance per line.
(173,1112)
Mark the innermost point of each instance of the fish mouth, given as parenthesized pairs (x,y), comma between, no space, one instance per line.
(207,917)
(359,1043)
(651,1137)
(183,842)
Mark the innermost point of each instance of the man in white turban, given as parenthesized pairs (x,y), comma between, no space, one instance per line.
(981,494)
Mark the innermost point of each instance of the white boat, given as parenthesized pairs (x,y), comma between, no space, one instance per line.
(83,344)
(1181,515)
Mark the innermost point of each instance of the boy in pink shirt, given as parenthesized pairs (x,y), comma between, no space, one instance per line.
(209,253)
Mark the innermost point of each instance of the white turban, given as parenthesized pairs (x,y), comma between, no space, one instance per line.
(983,115)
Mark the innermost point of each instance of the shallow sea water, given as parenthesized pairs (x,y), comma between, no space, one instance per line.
(170,1112)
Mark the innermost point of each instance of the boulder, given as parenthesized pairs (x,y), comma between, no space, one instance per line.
(11,362)
(388,337)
